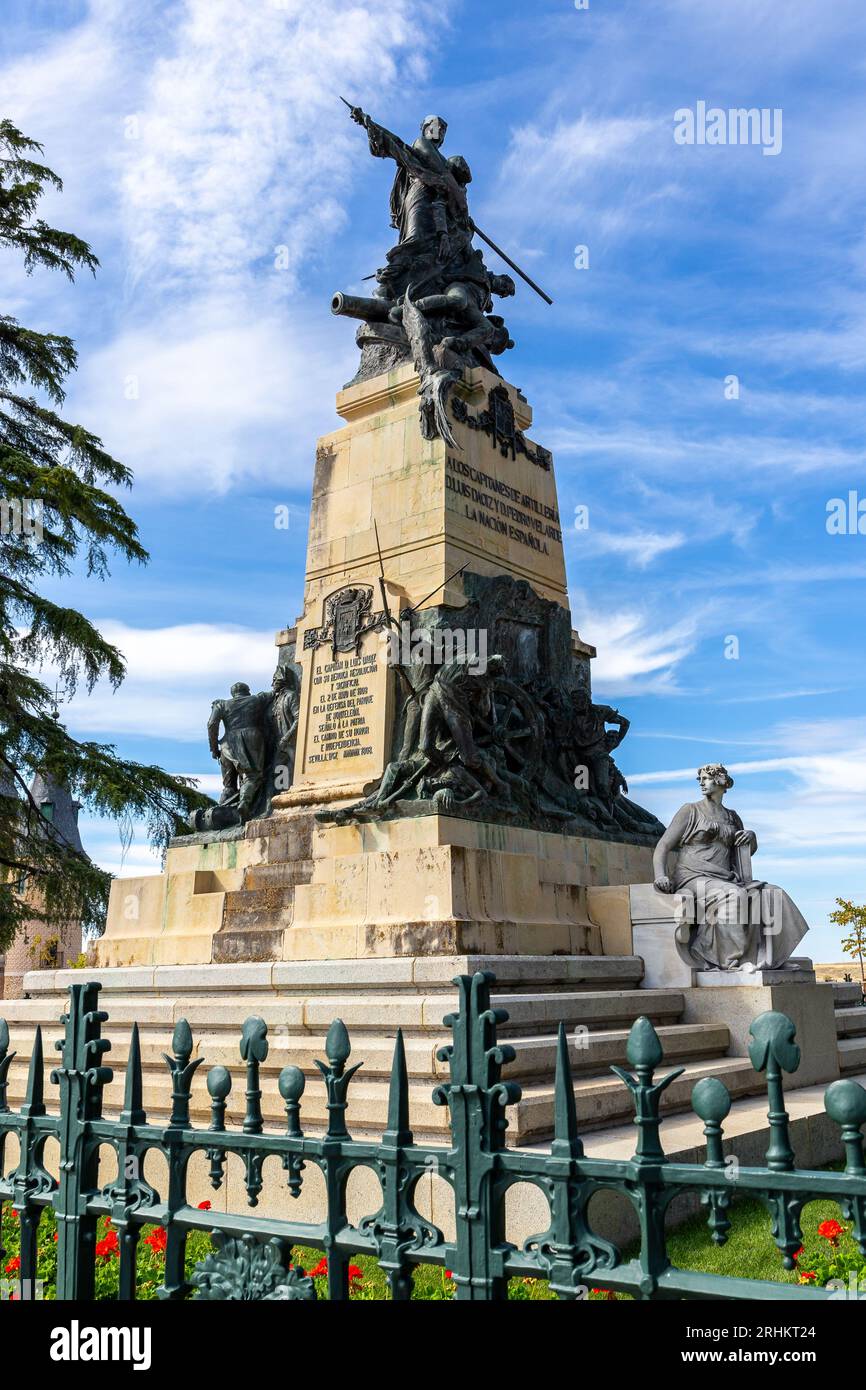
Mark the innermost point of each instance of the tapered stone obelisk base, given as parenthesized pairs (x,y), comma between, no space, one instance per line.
(386,501)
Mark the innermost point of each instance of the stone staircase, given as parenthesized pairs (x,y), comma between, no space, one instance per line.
(850,1014)
(596,997)
(256,914)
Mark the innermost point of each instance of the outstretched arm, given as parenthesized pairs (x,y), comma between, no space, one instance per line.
(384,143)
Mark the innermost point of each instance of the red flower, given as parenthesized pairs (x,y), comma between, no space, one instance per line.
(320,1269)
(204,1206)
(806,1276)
(107,1247)
(14,1265)
(448,1274)
(56,1235)
(831,1230)
(797,1254)
(355,1273)
(157,1240)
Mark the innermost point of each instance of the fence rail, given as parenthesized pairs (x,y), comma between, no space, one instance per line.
(253,1254)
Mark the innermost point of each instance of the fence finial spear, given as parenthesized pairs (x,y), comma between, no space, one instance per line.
(566,1142)
(398,1132)
(133,1110)
(34,1098)
(6,1060)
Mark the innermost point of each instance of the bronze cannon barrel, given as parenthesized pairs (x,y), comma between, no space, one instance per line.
(354,306)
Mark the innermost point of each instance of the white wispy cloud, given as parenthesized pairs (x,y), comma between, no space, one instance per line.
(223,160)
(560,170)
(173,674)
(636,654)
(199,396)
(638,547)
(243,144)
(809,796)
(667,449)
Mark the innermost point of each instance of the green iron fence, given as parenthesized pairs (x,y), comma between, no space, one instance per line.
(253,1254)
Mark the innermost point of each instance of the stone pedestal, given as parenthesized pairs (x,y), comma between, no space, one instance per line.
(638,920)
(484,502)
(738,998)
(288,888)
(388,502)
(437,884)
(394,517)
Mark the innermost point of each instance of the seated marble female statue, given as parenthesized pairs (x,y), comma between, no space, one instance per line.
(737,922)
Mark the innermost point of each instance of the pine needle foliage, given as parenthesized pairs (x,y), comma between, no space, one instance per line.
(58,511)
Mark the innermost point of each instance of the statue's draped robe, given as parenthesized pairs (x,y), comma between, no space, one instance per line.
(739,921)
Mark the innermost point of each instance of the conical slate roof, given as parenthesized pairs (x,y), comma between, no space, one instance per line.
(64,816)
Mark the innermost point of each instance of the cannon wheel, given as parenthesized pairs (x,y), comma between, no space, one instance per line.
(514,726)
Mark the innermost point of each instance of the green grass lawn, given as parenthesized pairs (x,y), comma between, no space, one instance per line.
(749,1252)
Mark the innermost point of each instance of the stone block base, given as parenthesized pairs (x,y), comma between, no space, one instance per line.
(441,885)
(808,1004)
(644,922)
(288,888)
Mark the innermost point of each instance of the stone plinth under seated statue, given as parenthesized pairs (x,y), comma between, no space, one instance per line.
(730,920)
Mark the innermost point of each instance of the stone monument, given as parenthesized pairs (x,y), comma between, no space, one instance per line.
(449,770)
(429,787)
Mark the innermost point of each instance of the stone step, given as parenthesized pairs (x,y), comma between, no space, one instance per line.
(846,994)
(269,917)
(527,1013)
(852,1054)
(248,941)
(536,1055)
(605,1100)
(286,837)
(599,1100)
(242,982)
(597,1011)
(596,998)
(259,876)
(851,1021)
(597,1051)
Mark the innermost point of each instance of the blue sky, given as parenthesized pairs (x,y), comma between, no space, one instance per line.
(197,138)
